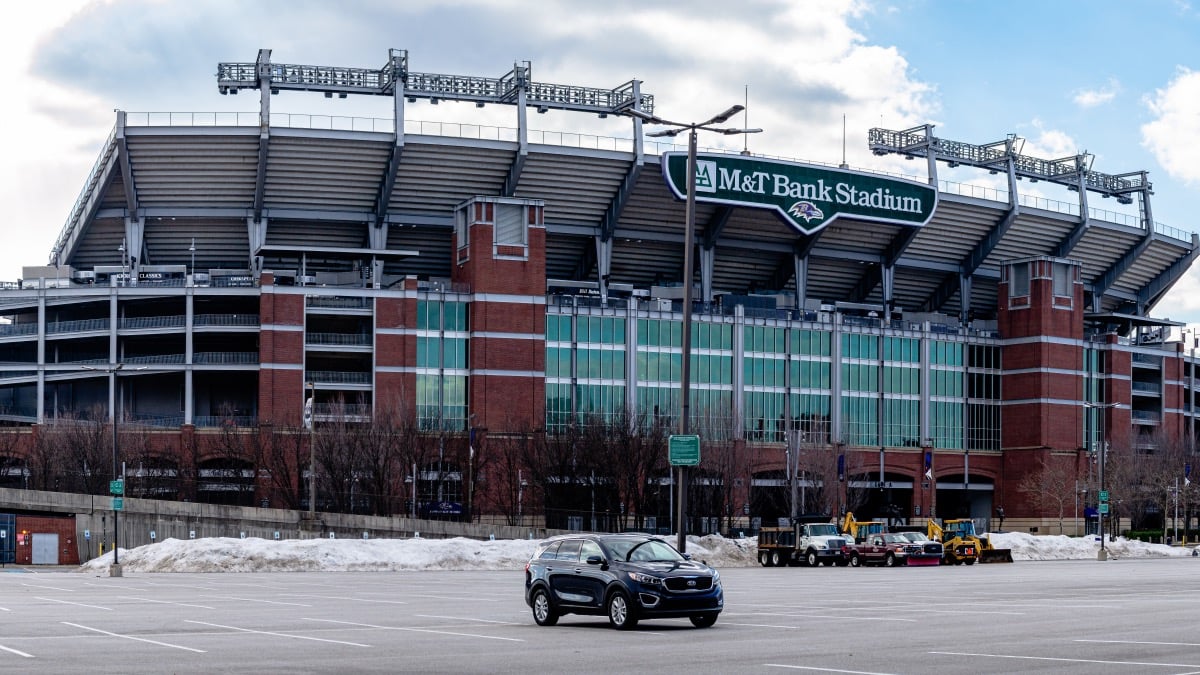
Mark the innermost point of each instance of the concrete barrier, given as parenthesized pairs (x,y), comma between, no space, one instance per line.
(145,521)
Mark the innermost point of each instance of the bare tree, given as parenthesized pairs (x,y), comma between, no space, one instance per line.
(1051,487)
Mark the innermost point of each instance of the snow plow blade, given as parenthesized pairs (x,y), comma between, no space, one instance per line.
(996,555)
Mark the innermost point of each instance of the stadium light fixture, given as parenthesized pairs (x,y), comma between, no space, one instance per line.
(674,129)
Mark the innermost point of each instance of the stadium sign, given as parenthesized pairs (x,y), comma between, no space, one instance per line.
(808,197)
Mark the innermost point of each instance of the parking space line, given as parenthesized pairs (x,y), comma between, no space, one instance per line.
(823,670)
(450,597)
(49,588)
(14,651)
(466,618)
(832,616)
(1142,642)
(268,602)
(136,639)
(5,609)
(417,630)
(163,602)
(342,597)
(285,635)
(1066,660)
(77,604)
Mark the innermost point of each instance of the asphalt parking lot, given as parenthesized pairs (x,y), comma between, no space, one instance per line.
(1120,616)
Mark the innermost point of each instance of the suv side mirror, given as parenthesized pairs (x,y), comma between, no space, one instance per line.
(686,556)
(595,560)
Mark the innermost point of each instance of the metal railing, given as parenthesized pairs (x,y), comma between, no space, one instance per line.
(225,358)
(346,409)
(338,302)
(347,339)
(1146,387)
(1147,359)
(176,321)
(56,327)
(13,374)
(9,329)
(218,421)
(337,377)
(162,359)
(161,421)
(1148,416)
(225,320)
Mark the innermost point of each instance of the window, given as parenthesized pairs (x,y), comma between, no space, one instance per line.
(1062,280)
(569,550)
(1018,281)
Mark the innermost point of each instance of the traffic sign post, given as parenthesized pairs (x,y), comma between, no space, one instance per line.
(116,487)
(1103,496)
(118,504)
(1104,509)
(684,450)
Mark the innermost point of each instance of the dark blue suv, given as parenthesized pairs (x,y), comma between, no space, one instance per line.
(627,577)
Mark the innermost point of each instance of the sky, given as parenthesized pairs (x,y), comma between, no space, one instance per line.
(225,554)
(1115,79)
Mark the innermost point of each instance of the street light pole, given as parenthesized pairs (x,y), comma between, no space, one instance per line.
(685,372)
(1102,451)
(111,370)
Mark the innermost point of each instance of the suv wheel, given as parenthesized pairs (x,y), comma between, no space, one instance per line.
(620,612)
(543,613)
(703,620)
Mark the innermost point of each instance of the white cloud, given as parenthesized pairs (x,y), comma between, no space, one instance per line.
(805,66)
(1174,132)
(1090,98)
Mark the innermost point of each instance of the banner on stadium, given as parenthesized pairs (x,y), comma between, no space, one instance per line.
(808,197)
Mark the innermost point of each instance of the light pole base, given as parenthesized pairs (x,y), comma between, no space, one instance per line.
(114,570)
(1102,555)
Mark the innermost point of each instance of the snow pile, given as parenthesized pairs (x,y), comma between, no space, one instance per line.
(1062,547)
(224,554)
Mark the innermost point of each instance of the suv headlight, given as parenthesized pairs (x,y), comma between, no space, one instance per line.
(645,579)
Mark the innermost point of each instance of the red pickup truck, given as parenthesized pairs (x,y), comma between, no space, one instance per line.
(891,550)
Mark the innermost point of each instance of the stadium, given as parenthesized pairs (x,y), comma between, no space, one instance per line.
(241,299)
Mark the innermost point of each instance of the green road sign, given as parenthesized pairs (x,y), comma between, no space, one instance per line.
(116,487)
(1104,509)
(808,197)
(684,450)
(1104,495)
(118,504)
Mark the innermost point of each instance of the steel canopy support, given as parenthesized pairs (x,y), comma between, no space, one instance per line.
(976,257)
(262,70)
(1151,293)
(708,257)
(131,200)
(612,215)
(603,251)
(520,80)
(1122,265)
(388,185)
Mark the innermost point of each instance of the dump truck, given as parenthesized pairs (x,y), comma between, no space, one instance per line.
(960,544)
(808,543)
(859,531)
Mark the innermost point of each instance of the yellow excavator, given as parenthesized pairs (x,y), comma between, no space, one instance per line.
(961,545)
(861,530)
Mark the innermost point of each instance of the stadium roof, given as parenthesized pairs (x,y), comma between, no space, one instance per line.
(237,188)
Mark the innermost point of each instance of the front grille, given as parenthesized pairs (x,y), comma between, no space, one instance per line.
(684,584)
(933,548)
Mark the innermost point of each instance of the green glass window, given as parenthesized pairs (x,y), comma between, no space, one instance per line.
(860,419)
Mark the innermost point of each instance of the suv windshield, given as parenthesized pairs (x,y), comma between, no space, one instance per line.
(644,550)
